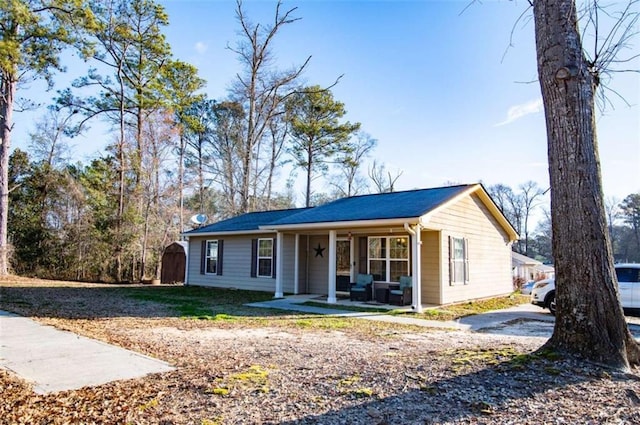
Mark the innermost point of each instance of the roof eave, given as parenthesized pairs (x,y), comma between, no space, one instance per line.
(488,202)
(329,225)
(228,233)
(493,208)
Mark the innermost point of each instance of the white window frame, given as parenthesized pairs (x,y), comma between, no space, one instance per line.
(264,257)
(213,258)
(462,262)
(387,257)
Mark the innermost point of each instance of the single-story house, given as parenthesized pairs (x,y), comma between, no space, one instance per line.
(453,241)
(529,269)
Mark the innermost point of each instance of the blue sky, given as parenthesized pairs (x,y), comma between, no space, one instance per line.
(443,93)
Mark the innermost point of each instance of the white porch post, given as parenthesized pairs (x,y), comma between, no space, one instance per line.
(331,299)
(417,270)
(296,266)
(279,265)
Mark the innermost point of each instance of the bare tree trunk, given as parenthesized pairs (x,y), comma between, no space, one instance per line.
(249,143)
(121,178)
(259,89)
(589,319)
(277,142)
(201,179)
(183,146)
(8,94)
(309,177)
(145,241)
(138,158)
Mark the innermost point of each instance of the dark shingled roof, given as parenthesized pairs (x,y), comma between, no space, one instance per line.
(382,206)
(245,222)
(407,204)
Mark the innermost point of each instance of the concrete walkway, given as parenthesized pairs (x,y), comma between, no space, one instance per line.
(493,320)
(295,303)
(55,360)
(470,323)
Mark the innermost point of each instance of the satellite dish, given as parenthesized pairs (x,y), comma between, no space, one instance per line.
(198,219)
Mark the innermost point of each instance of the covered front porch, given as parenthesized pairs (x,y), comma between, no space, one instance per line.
(342,300)
(323,262)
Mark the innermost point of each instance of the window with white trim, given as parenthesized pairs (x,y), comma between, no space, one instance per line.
(388,257)
(211,257)
(458,260)
(265,257)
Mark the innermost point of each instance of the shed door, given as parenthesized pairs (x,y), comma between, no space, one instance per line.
(173,266)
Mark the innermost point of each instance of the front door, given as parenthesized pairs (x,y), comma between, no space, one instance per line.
(343,264)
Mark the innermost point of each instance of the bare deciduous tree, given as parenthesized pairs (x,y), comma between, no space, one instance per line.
(530,192)
(159,134)
(348,181)
(259,89)
(612,209)
(383,180)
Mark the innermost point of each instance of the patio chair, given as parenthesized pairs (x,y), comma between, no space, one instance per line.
(401,294)
(360,290)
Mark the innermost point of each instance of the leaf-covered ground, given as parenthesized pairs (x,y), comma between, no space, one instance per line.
(238,365)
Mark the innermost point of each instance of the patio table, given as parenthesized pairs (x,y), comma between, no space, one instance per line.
(382,295)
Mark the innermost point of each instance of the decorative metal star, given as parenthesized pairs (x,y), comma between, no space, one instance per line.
(319,250)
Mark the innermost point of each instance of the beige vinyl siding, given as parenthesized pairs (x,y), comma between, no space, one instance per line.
(489,256)
(288,262)
(236,263)
(430,267)
(302,271)
(318,266)
(489,251)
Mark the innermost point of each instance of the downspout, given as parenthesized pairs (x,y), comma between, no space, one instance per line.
(416,270)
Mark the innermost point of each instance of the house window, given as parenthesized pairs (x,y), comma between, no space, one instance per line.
(458,260)
(265,257)
(388,258)
(211,257)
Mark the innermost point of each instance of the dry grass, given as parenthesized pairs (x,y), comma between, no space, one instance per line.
(457,311)
(238,365)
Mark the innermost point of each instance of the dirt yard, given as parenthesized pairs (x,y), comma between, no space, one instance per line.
(237,365)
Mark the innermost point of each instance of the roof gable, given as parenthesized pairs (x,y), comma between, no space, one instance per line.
(520,259)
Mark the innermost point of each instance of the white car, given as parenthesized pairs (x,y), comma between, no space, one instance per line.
(527,287)
(543,293)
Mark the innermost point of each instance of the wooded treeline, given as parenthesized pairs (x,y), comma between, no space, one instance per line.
(172,151)
(523,206)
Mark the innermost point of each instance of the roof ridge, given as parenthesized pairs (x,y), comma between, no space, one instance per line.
(406,191)
(271,211)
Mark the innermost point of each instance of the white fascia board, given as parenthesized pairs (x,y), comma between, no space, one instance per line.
(231,233)
(488,202)
(328,225)
(425,218)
